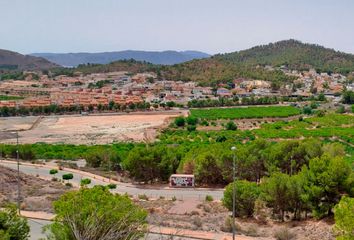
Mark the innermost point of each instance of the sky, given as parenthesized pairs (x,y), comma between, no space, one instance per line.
(212,26)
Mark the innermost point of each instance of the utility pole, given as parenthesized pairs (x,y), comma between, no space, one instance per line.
(18,177)
(233,193)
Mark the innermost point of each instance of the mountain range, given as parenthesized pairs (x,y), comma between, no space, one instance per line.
(250,63)
(164,58)
(15,61)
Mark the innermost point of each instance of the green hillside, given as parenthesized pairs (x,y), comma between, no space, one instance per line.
(295,55)
(247,64)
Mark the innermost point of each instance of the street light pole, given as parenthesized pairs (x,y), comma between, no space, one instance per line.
(18,177)
(233,193)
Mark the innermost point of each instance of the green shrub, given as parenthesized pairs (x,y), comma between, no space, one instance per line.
(53,171)
(204,123)
(85,181)
(307,110)
(112,186)
(68,176)
(209,198)
(180,121)
(191,128)
(220,138)
(313,105)
(231,126)
(320,113)
(192,120)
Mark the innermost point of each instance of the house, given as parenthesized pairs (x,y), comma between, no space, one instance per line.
(223,92)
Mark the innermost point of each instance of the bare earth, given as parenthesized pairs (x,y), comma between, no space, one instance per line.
(211,216)
(76,129)
(37,194)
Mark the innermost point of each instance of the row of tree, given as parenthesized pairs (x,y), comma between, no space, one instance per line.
(120,218)
(210,162)
(56,109)
(316,189)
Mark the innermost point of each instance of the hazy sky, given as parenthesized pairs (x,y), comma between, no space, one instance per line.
(212,26)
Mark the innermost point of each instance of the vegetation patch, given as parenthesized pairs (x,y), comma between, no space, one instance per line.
(6,97)
(249,112)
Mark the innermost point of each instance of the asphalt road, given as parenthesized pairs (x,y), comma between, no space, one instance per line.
(36,228)
(179,193)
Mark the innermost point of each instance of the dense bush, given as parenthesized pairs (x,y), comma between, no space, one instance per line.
(91,212)
(191,120)
(68,176)
(348,97)
(12,226)
(344,218)
(85,181)
(152,163)
(231,126)
(112,186)
(53,171)
(191,128)
(180,121)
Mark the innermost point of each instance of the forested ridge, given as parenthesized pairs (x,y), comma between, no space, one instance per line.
(295,55)
(249,63)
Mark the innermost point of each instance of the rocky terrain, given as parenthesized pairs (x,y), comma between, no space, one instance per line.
(36,194)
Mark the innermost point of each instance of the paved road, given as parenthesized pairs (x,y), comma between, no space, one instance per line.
(36,228)
(193,193)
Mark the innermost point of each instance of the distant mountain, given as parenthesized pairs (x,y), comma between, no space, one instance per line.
(164,58)
(15,61)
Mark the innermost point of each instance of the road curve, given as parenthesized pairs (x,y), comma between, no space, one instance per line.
(42,171)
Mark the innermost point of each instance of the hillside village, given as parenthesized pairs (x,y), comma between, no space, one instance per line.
(95,91)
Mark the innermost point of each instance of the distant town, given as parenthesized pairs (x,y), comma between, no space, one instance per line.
(121,90)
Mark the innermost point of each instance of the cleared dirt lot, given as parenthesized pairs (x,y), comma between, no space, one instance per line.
(17,123)
(95,129)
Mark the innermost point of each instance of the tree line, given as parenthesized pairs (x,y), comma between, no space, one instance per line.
(57,109)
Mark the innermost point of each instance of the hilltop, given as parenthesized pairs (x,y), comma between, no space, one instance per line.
(249,63)
(15,61)
(294,55)
(164,57)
